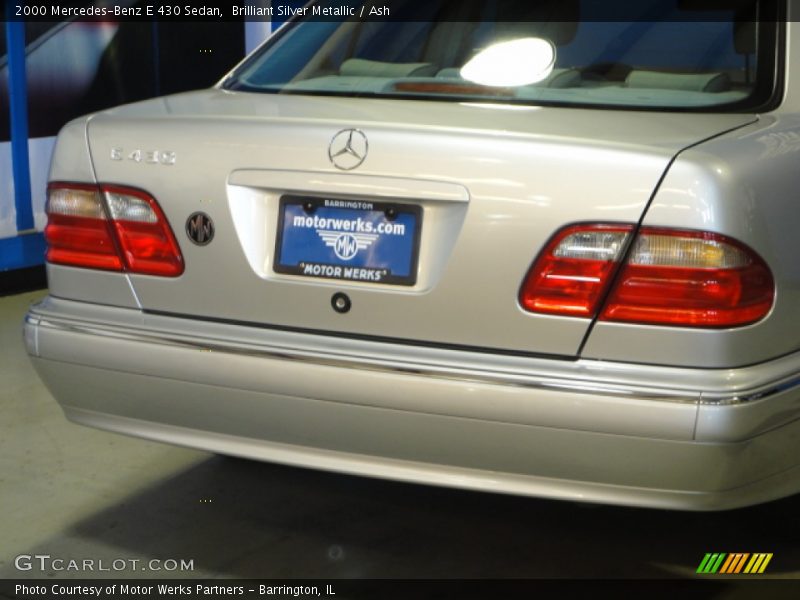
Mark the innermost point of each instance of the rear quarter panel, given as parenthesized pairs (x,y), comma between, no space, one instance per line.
(746,185)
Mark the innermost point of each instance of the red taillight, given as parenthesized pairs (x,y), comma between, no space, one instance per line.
(109,227)
(691,279)
(670,277)
(77,232)
(146,241)
(572,273)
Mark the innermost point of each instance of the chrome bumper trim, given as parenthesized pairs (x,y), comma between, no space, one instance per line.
(366,364)
(580,376)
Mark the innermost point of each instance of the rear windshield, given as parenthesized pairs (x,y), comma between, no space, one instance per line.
(667,54)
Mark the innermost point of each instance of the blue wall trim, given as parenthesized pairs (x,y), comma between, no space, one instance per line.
(18,101)
(22,251)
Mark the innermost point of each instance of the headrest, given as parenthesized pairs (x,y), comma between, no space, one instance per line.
(689,82)
(360,67)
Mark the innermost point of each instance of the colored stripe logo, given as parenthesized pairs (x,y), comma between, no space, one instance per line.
(721,563)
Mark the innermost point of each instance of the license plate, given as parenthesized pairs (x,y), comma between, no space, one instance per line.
(353,240)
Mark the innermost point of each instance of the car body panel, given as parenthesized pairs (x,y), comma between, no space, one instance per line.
(615,164)
(627,443)
(737,184)
(447,380)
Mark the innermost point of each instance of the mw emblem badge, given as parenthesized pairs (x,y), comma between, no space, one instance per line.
(200,228)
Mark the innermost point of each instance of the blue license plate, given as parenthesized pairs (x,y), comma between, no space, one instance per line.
(354,240)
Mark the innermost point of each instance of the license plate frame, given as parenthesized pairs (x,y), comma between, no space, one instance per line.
(368,250)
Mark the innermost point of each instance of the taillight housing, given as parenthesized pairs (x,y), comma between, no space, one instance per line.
(571,275)
(78,232)
(667,277)
(690,278)
(109,227)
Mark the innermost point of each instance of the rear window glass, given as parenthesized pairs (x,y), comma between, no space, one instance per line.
(652,53)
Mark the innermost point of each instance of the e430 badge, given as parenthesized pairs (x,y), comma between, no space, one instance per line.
(152,157)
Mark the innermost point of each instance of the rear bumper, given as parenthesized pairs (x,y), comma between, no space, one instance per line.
(580,430)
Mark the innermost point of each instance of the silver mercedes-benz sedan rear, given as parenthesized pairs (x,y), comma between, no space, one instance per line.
(504,246)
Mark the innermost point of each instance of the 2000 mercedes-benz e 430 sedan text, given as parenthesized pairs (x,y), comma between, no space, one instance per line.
(504,246)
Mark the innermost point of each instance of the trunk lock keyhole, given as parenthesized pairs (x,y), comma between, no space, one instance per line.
(341,303)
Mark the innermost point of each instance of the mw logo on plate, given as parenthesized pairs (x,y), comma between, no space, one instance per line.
(346,245)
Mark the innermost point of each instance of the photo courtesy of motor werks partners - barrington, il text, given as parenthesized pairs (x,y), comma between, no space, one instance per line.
(163,590)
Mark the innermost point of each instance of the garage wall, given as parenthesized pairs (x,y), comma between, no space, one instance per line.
(72,68)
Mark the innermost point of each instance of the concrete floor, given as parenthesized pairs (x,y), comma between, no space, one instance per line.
(72,492)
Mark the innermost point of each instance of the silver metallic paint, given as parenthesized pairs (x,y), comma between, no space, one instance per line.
(550,442)
(649,416)
(511,210)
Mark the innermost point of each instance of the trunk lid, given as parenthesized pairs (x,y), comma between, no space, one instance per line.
(492,184)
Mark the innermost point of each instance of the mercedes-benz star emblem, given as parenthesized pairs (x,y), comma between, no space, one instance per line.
(348,149)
